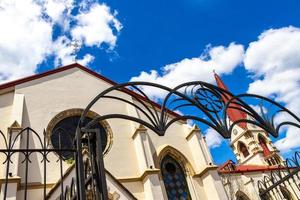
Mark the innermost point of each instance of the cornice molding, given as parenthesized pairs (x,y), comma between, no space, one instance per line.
(205,170)
(140,129)
(142,177)
(194,130)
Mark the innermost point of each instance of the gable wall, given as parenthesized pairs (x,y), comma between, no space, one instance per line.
(50,95)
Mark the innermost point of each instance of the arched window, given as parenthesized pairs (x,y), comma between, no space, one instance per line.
(241,196)
(243,149)
(263,144)
(63,133)
(174,179)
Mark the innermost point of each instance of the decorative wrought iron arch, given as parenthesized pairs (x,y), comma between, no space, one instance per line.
(205,97)
(211,102)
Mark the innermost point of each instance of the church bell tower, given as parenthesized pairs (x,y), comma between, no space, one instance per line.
(251,145)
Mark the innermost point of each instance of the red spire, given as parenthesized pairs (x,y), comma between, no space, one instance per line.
(233,113)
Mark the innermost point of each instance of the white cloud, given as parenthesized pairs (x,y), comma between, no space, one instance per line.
(96,26)
(275,62)
(86,59)
(25,38)
(222,59)
(27,28)
(290,142)
(212,138)
(63,51)
(58,10)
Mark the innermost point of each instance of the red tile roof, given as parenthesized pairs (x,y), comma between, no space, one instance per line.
(221,167)
(76,65)
(245,168)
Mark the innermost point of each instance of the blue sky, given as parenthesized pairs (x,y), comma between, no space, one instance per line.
(253,45)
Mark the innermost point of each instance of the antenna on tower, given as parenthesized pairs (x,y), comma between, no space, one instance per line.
(76,45)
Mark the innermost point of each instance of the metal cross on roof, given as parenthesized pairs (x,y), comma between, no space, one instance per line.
(76,45)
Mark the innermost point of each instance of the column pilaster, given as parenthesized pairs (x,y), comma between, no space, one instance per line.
(150,175)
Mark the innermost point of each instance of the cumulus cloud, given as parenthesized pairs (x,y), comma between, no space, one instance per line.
(64,51)
(86,59)
(213,139)
(275,63)
(96,26)
(27,33)
(25,38)
(59,11)
(221,58)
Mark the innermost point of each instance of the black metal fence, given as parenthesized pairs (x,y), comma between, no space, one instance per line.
(282,183)
(27,152)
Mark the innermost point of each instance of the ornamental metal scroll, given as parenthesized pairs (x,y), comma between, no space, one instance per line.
(206,103)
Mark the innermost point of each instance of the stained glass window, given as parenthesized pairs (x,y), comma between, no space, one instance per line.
(62,136)
(174,179)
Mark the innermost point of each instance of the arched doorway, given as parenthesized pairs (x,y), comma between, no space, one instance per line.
(174,179)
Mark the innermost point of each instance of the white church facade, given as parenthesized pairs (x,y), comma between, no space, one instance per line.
(139,164)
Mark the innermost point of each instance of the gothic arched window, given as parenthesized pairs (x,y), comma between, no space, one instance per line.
(243,149)
(286,193)
(241,196)
(63,133)
(174,179)
(263,144)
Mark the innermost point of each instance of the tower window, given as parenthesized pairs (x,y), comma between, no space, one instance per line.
(263,144)
(243,149)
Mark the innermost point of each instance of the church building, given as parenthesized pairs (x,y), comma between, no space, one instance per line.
(257,158)
(139,164)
